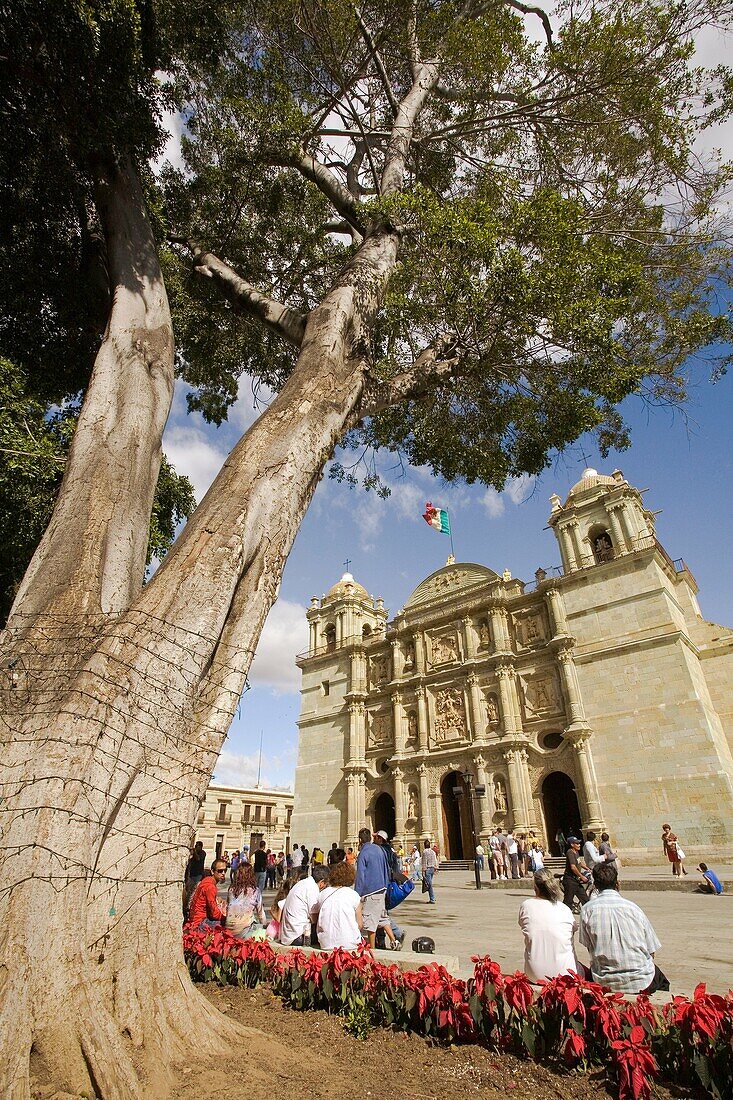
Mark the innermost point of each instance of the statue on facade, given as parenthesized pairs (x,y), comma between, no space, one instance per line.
(484,636)
(409,657)
(500,796)
(411,804)
(492,708)
(412,726)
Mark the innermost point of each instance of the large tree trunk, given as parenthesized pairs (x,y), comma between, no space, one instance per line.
(111,728)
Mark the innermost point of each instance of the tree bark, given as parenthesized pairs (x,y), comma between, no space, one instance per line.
(114,710)
(91,558)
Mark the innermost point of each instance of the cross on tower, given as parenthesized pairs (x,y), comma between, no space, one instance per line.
(347,563)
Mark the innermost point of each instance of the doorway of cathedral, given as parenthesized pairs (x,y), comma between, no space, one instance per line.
(456,817)
(384,815)
(562,812)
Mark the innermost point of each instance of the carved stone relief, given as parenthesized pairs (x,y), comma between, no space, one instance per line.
(450,715)
(379,728)
(531,627)
(541,694)
(444,648)
(378,670)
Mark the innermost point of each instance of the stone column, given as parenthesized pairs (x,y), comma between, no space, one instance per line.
(312,637)
(574,535)
(617,533)
(396,659)
(478,713)
(633,534)
(422,719)
(361,799)
(505,674)
(590,800)
(419,653)
(339,628)
(398,722)
(352,820)
(527,781)
(356,738)
(499,629)
(571,688)
(556,605)
(469,637)
(515,765)
(484,804)
(425,816)
(567,548)
(399,802)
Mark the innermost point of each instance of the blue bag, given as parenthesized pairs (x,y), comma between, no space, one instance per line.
(397,892)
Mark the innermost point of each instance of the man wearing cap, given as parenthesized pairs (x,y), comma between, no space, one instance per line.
(573,879)
(372,879)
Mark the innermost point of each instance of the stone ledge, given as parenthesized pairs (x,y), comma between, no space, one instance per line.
(405,960)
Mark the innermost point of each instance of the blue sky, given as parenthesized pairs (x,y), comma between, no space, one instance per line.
(684,458)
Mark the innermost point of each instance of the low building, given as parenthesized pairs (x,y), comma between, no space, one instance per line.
(231,817)
(596,696)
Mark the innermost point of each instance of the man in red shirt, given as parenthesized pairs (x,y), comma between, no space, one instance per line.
(204,908)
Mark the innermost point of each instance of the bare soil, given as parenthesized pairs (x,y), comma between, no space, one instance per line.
(294,1055)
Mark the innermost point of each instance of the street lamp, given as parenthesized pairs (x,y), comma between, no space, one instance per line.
(471,790)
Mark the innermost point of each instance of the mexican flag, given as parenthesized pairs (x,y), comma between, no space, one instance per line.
(437,518)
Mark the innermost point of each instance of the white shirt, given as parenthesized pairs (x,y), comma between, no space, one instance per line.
(337,925)
(479,849)
(591,855)
(511,845)
(295,919)
(296,857)
(536,860)
(548,929)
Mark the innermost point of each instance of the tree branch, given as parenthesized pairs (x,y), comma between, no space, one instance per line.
(338,195)
(437,364)
(379,64)
(532,9)
(286,322)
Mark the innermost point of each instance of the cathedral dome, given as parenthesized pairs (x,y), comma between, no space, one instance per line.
(590,480)
(347,589)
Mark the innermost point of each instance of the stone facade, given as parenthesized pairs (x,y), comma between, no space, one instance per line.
(596,697)
(230,817)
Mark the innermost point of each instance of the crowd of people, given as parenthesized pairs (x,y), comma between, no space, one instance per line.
(341,898)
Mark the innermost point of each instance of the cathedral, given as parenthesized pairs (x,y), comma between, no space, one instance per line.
(595,697)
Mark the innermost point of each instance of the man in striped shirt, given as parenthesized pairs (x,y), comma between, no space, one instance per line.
(620,938)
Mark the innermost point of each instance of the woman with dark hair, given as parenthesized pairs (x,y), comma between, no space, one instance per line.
(245,914)
(548,927)
(673,851)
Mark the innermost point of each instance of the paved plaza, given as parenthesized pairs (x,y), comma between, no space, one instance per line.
(696,931)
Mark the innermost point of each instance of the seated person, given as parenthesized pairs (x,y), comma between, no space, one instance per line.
(245,913)
(620,938)
(204,910)
(339,910)
(296,914)
(548,927)
(710,883)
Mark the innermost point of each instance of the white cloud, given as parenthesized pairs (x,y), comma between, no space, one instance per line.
(192,454)
(175,124)
(284,636)
(519,488)
(242,769)
(244,411)
(493,502)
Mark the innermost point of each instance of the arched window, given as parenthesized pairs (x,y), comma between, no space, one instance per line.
(330,636)
(601,544)
(366,631)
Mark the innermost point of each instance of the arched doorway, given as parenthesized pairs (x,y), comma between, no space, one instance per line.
(384,815)
(456,817)
(562,812)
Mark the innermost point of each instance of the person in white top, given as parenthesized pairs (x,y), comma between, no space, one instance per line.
(300,904)
(296,858)
(536,858)
(338,910)
(548,927)
(591,855)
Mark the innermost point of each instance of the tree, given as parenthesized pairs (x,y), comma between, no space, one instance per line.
(426,226)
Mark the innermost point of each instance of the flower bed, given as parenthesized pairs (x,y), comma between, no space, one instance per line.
(567,1020)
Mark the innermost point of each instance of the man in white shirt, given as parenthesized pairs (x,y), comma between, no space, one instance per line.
(512,852)
(620,939)
(300,907)
(591,855)
(296,859)
(497,853)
